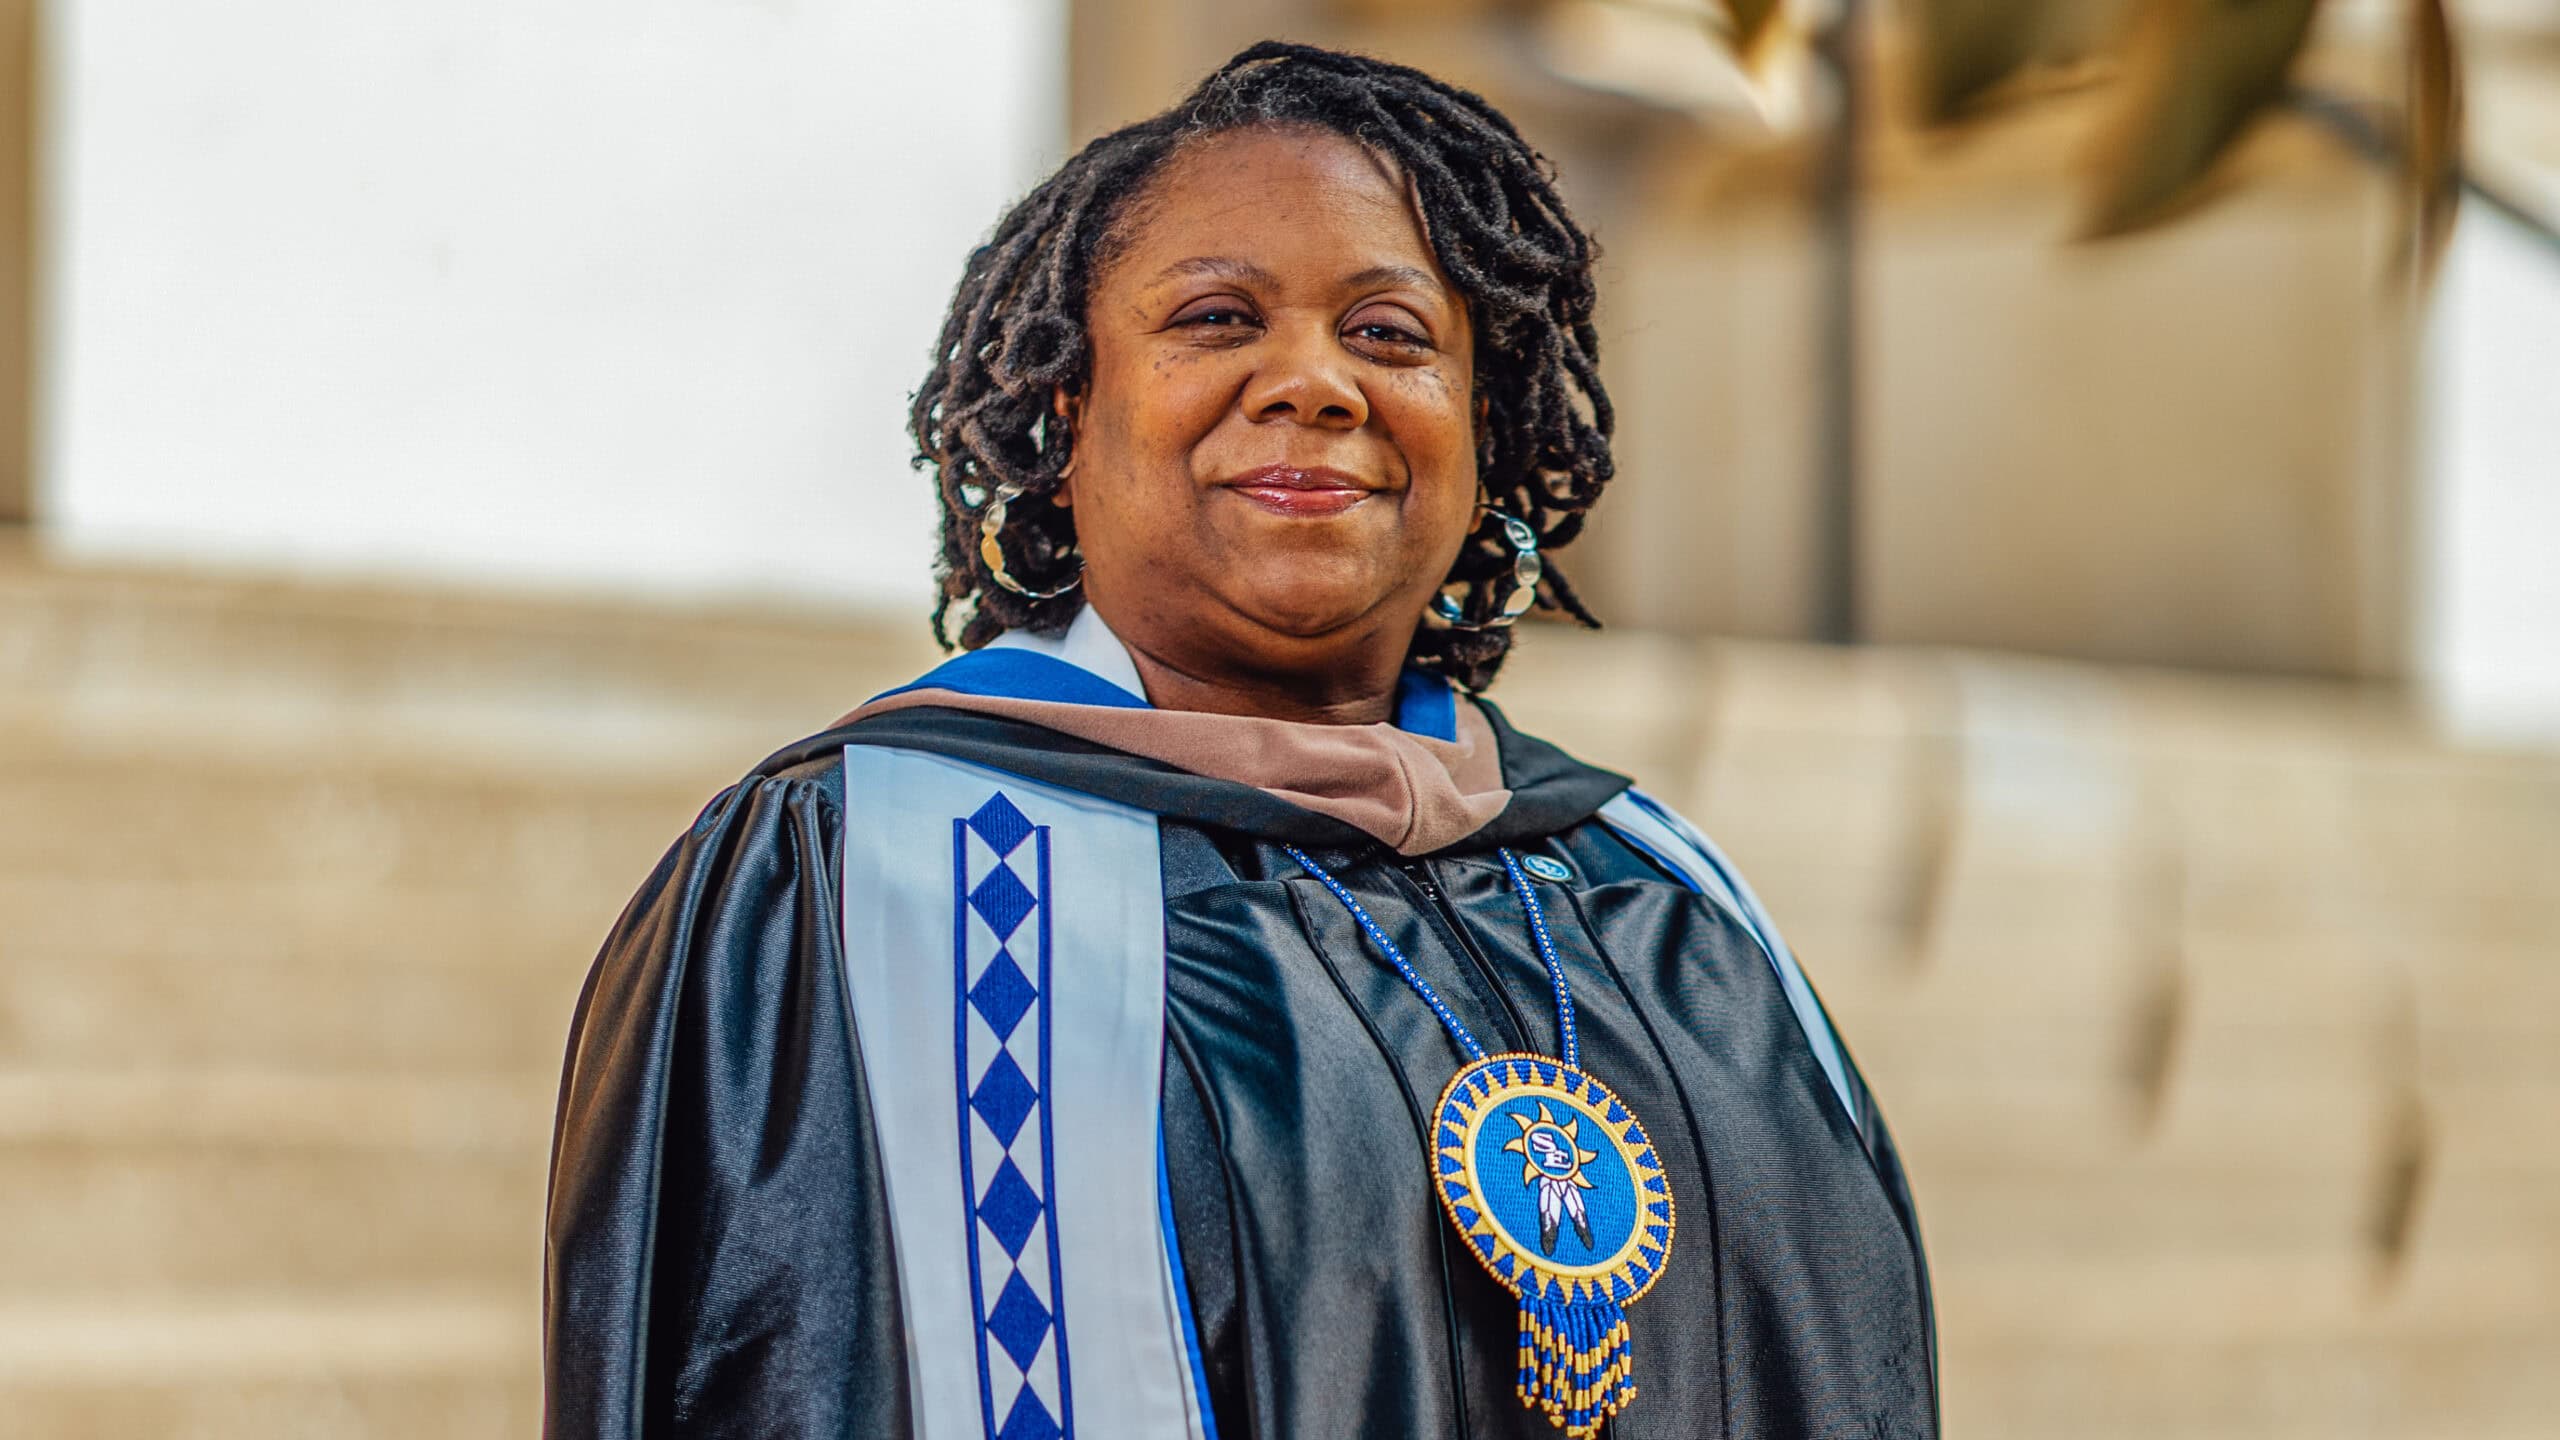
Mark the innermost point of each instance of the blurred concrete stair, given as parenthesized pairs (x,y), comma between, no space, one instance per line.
(297,886)
(2219,1019)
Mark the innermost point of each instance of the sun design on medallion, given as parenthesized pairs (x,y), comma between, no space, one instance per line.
(1551,1161)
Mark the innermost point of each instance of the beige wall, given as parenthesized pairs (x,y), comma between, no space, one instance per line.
(2189,450)
(1708,307)
(17,261)
(2189,447)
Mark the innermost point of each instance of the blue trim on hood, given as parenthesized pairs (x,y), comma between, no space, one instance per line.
(1012,674)
(1426,706)
(1425,703)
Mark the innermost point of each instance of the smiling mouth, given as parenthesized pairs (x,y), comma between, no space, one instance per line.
(1288,490)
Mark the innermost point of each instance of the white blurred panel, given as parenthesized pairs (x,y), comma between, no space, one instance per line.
(2492,606)
(2489,602)
(616,293)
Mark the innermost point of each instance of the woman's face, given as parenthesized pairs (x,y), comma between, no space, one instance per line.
(1275,458)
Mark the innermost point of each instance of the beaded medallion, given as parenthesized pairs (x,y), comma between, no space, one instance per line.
(1550,1180)
(1557,1190)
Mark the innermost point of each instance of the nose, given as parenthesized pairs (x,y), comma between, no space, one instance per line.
(1306,377)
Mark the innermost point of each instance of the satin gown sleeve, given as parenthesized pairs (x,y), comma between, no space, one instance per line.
(717,1257)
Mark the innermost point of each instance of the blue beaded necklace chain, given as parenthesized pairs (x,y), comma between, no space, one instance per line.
(1575,1358)
(1570,1045)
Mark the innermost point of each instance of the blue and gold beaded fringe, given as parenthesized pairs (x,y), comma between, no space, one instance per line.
(1575,1361)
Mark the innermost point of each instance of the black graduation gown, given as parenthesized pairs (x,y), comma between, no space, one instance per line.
(718,1255)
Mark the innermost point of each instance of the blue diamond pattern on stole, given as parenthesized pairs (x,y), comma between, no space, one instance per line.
(1002,901)
(1004,1099)
(1001,893)
(1029,1421)
(1002,994)
(1019,1322)
(1003,827)
(1011,1207)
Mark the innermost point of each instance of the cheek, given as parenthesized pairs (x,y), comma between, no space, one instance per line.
(1150,409)
(1134,501)
(1432,419)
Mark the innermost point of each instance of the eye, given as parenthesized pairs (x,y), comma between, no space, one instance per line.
(1215,315)
(1387,332)
(1388,328)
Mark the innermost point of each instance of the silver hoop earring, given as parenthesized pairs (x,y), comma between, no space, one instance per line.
(1526,570)
(990,526)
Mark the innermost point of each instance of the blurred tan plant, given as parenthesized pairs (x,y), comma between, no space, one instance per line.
(1964,49)
(2189,78)
(2195,74)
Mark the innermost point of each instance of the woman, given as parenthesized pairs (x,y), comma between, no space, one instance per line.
(1191,1011)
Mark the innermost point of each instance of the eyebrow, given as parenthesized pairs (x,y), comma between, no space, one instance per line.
(1245,272)
(1216,267)
(1418,278)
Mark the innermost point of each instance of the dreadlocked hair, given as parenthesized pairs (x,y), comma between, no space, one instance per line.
(1015,337)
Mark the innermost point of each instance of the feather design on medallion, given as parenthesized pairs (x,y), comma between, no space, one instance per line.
(1551,1165)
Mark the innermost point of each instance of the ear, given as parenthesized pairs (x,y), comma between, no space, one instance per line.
(1070,408)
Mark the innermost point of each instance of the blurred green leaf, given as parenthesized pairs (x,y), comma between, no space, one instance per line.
(2432,171)
(1750,21)
(2199,72)
(1965,47)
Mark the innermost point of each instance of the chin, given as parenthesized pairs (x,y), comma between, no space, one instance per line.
(1307,612)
